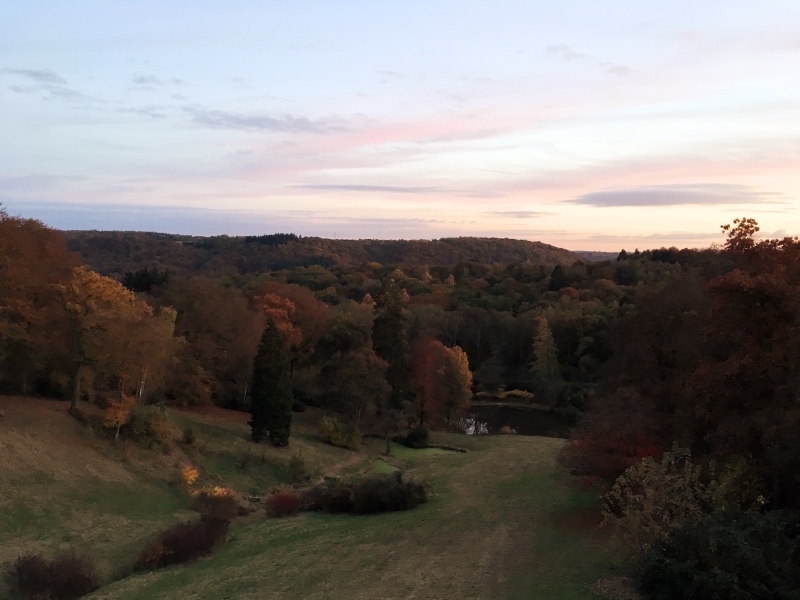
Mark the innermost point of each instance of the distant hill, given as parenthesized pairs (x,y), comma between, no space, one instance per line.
(596,255)
(116,252)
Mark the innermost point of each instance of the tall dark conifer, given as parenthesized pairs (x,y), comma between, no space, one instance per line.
(271,398)
(390,340)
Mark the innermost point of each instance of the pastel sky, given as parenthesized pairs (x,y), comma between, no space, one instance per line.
(588,125)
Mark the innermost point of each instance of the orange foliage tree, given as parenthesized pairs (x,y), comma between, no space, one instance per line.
(34,262)
(442,381)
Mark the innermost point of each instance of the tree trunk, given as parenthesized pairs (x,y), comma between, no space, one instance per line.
(76,391)
(142,381)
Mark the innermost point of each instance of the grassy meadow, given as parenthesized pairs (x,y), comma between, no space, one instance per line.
(503,522)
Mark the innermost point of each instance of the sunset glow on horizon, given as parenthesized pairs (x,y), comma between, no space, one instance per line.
(585,125)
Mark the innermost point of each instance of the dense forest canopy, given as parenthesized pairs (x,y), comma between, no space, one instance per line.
(115,252)
(496,300)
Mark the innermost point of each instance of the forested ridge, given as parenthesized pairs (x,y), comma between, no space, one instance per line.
(679,368)
(115,252)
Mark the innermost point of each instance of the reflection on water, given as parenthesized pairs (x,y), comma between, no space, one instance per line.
(522,420)
(472,426)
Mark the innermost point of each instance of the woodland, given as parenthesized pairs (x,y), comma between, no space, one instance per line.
(678,369)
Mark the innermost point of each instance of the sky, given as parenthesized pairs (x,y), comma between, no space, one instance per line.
(587,125)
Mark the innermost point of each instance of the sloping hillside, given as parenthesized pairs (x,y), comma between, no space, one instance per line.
(114,253)
(502,523)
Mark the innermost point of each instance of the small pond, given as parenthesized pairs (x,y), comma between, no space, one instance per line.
(490,418)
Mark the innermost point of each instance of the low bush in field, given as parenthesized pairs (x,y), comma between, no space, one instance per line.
(182,543)
(283,504)
(419,437)
(339,434)
(150,425)
(65,578)
(217,506)
(369,495)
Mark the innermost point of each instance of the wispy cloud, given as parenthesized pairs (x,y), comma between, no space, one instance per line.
(154,111)
(705,194)
(392,189)
(520,214)
(565,52)
(34,181)
(39,76)
(223,119)
(147,80)
(664,236)
(621,70)
(399,189)
(47,82)
(145,83)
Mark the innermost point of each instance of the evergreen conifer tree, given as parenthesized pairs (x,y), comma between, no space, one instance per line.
(271,397)
(545,370)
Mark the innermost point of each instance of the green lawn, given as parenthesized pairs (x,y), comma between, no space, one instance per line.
(498,527)
(503,521)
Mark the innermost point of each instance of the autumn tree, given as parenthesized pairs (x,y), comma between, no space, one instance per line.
(744,391)
(456,384)
(218,334)
(545,370)
(34,265)
(390,338)
(119,413)
(303,310)
(442,381)
(94,306)
(271,396)
(143,349)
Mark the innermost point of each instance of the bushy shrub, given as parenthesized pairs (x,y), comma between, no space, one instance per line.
(283,504)
(368,495)
(730,556)
(373,495)
(339,434)
(419,437)
(65,578)
(189,436)
(653,499)
(182,543)
(189,475)
(150,425)
(216,507)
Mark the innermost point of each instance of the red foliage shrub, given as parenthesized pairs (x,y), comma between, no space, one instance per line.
(613,434)
(600,460)
(367,495)
(65,578)
(283,505)
(182,543)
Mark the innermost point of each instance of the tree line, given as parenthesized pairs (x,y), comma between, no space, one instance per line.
(68,331)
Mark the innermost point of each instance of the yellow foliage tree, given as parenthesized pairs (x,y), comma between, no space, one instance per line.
(119,413)
(94,305)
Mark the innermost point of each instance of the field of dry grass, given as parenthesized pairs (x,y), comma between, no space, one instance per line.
(503,523)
